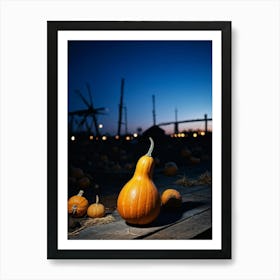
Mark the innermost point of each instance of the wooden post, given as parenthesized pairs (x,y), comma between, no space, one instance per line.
(176,128)
(121,108)
(206,128)
(154,110)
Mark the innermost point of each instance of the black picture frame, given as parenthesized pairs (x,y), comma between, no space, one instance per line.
(53,27)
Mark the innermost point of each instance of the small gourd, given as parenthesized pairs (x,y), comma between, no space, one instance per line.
(77,205)
(139,200)
(185,153)
(170,169)
(96,210)
(83,182)
(171,199)
(76,172)
(194,160)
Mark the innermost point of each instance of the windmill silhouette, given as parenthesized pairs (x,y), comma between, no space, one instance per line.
(89,113)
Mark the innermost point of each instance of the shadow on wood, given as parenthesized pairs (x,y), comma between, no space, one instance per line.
(170,215)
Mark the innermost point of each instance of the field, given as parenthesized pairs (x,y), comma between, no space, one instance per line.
(109,164)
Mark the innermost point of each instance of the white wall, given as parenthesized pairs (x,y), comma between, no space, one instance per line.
(255,102)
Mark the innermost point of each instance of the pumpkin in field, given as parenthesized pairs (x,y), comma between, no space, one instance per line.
(170,169)
(171,198)
(139,201)
(194,160)
(185,152)
(83,182)
(77,205)
(76,172)
(96,210)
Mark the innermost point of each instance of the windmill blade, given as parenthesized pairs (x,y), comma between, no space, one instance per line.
(100,109)
(89,93)
(84,100)
(78,112)
(99,113)
(76,125)
(82,122)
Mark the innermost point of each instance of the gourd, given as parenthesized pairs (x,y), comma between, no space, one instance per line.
(96,210)
(194,160)
(83,182)
(171,198)
(139,200)
(170,169)
(185,153)
(76,172)
(77,205)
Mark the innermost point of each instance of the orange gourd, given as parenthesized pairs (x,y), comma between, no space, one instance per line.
(194,160)
(77,205)
(139,201)
(171,198)
(170,169)
(83,182)
(76,172)
(96,210)
(185,152)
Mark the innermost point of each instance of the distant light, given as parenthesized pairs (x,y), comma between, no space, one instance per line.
(202,133)
(101,125)
(182,134)
(117,137)
(194,134)
(73,138)
(135,135)
(91,137)
(127,138)
(104,138)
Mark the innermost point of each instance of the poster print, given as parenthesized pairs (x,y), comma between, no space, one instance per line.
(139,140)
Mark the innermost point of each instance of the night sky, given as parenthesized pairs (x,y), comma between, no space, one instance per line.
(178,73)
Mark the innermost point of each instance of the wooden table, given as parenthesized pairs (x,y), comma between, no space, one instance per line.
(193,219)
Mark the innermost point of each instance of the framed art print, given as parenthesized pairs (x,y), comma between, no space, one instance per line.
(139,140)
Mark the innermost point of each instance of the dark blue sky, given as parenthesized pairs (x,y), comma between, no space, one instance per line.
(178,73)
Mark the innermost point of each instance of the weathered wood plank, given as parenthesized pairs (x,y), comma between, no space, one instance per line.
(205,193)
(121,230)
(196,200)
(185,229)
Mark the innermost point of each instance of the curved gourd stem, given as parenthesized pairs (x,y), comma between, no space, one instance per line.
(81,192)
(149,153)
(96,199)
